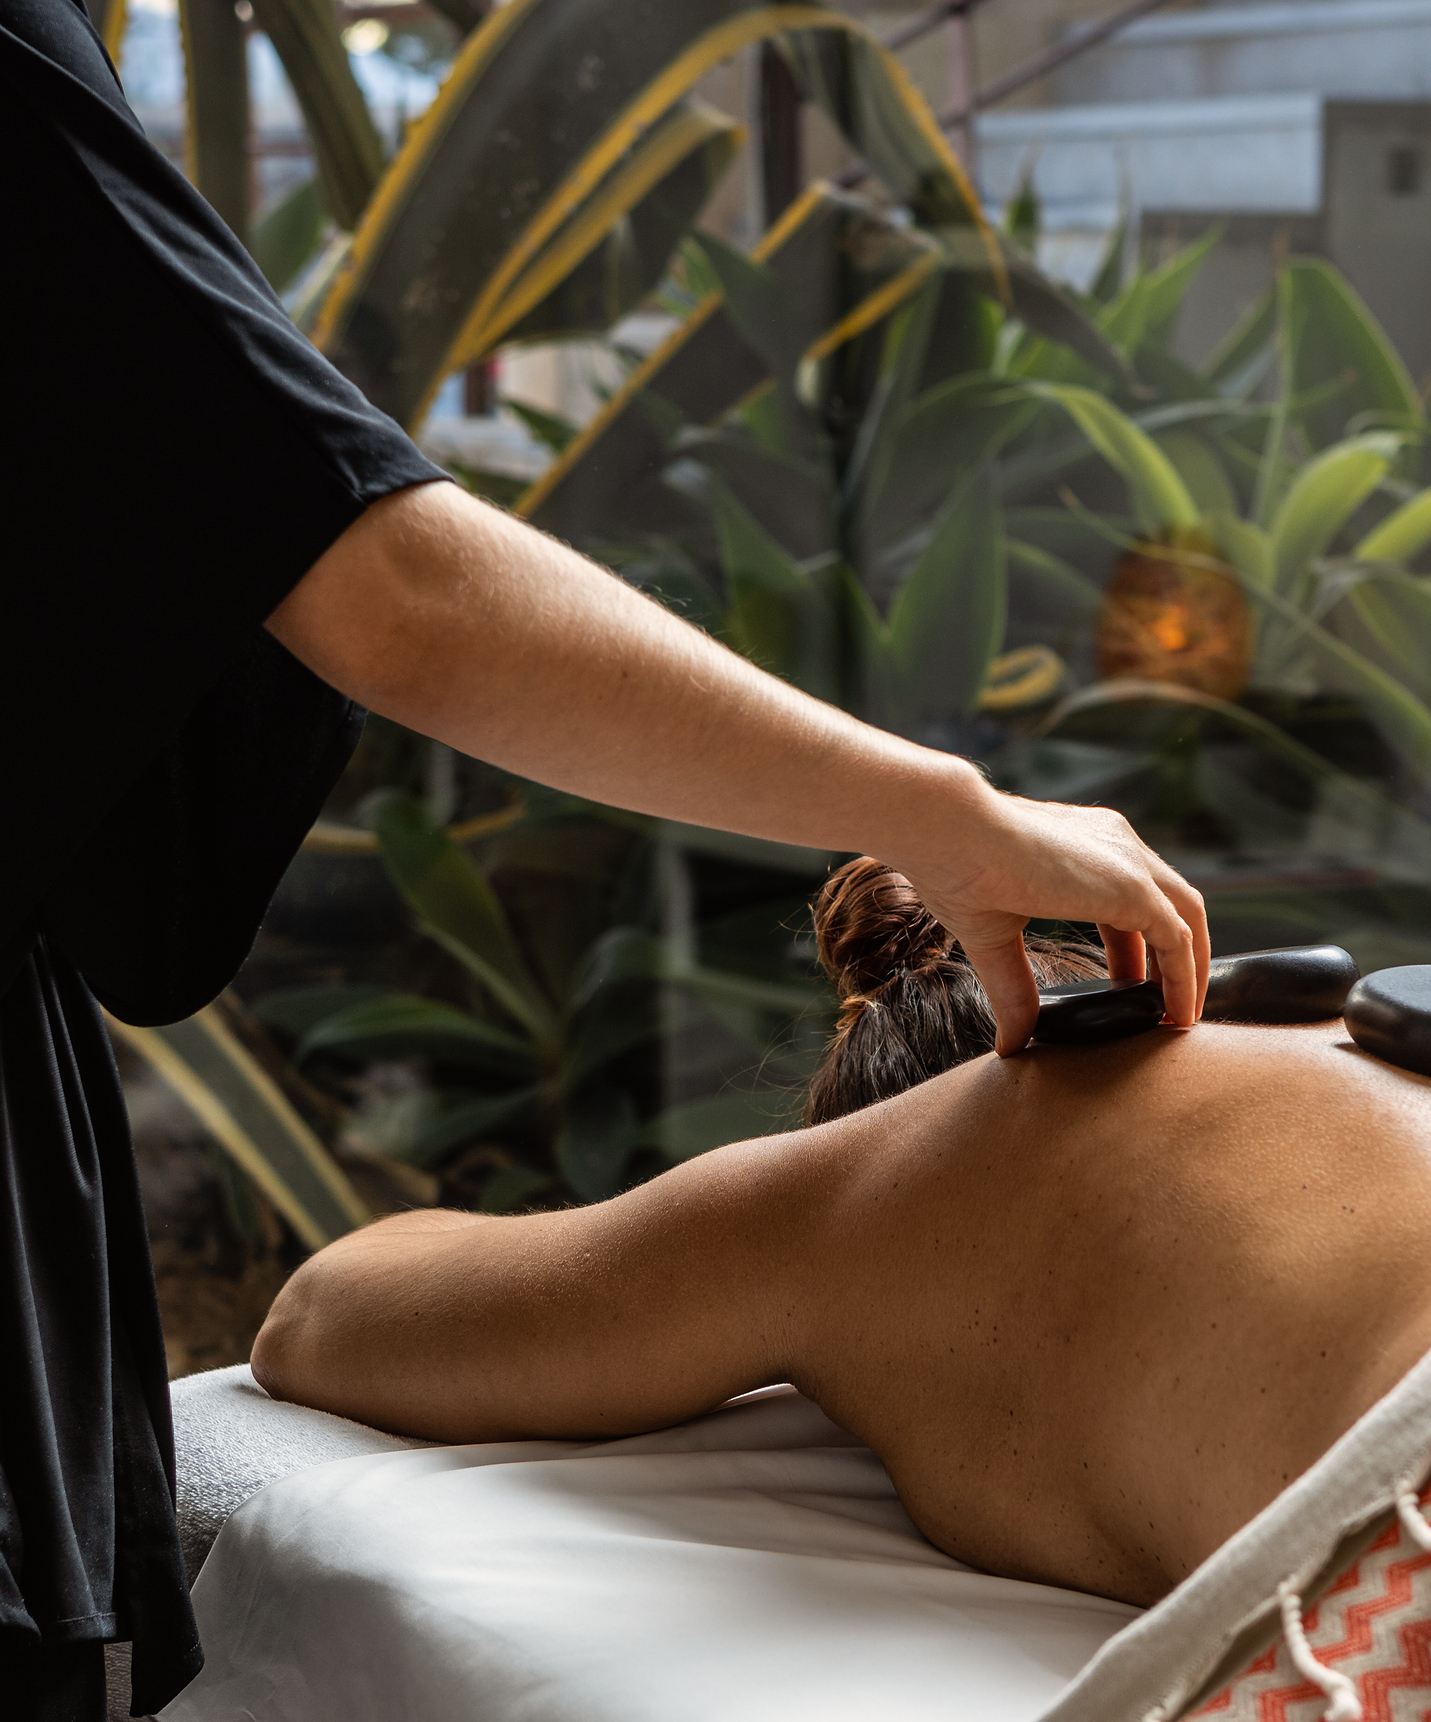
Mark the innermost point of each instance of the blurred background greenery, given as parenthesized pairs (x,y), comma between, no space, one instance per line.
(879,450)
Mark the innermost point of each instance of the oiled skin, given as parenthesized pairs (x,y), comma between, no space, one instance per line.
(1093,1308)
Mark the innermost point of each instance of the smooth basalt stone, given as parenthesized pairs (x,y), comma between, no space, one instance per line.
(1389,1014)
(1087,1011)
(1295,983)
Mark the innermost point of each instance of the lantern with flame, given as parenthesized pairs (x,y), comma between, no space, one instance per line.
(1172,612)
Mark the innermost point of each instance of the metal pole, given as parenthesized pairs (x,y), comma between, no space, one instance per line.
(1078,42)
(961,87)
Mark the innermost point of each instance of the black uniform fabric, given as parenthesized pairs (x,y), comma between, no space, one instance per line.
(176,457)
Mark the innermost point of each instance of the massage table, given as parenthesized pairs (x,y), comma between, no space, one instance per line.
(752,1564)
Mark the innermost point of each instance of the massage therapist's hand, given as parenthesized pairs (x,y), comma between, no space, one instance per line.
(465,624)
(1022,859)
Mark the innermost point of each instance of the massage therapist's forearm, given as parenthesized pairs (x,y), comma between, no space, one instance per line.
(455,617)
(461,622)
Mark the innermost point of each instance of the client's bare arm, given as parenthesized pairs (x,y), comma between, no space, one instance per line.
(596,1321)
(467,625)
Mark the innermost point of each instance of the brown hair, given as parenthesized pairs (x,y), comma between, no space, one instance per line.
(910,1003)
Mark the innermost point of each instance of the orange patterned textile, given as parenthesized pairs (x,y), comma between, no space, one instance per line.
(1373,1626)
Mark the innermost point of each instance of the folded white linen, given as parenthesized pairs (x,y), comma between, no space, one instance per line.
(753,1564)
(231,1439)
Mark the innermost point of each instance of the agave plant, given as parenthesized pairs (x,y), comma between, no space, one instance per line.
(543,192)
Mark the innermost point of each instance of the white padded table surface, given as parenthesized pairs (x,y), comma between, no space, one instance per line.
(755,1564)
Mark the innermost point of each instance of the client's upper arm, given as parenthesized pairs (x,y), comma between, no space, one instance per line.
(334,1320)
(597,1321)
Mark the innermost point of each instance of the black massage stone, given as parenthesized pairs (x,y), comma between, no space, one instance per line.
(1088,1011)
(1389,1014)
(1297,983)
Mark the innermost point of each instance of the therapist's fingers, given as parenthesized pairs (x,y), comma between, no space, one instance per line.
(1126,953)
(1006,977)
(1175,933)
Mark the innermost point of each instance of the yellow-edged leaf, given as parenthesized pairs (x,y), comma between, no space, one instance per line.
(246,1112)
(480,192)
(679,162)
(705,368)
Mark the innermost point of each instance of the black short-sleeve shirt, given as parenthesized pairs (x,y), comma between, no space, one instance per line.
(176,456)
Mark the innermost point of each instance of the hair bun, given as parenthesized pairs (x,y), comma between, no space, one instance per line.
(870,924)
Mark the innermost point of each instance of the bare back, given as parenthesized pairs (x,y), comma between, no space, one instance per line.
(1101,1305)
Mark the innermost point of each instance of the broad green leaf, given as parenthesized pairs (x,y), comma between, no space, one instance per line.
(216,90)
(903,350)
(1386,616)
(1402,535)
(929,452)
(1403,719)
(1160,499)
(1247,547)
(1069,535)
(616,1024)
(1401,830)
(873,103)
(1240,361)
(1060,585)
(1047,309)
(791,499)
(627,954)
(457,905)
(469,1121)
(1124,322)
(699,374)
(1328,335)
(345,142)
(875,670)
(947,620)
(775,325)
(1033,466)
(403,1026)
(1200,469)
(780,615)
(1168,284)
(840,282)
(556,432)
(246,1112)
(767,316)
(1323,497)
(285,237)
(1108,282)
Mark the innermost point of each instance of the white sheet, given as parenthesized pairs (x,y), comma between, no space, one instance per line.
(753,1565)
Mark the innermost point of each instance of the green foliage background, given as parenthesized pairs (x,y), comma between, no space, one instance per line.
(884,455)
